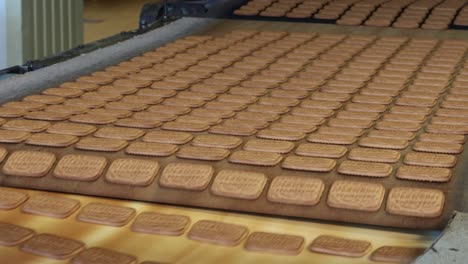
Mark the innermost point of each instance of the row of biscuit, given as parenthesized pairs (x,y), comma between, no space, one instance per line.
(156,223)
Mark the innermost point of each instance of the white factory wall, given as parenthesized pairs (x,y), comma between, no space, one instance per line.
(34,29)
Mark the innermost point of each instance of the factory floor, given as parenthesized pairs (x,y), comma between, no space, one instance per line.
(103,18)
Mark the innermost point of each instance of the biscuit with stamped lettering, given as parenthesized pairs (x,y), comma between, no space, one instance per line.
(80,167)
(356,195)
(306,128)
(438,147)
(93,119)
(119,90)
(51,140)
(448,138)
(71,129)
(233,130)
(153,117)
(340,246)
(137,123)
(106,214)
(268,109)
(209,113)
(209,120)
(84,86)
(10,136)
(29,163)
(63,92)
(11,112)
(332,139)
(119,133)
(396,254)
(217,141)
(108,97)
(110,112)
(202,153)
(349,123)
(238,184)
(134,172)
(100,80)
(281,135)
(363,107)
(97,255)
(186,176)
(10,199)
(430,159)
(256,124)
(308,164)
(26,106)
(150,100)
(391,134)
(274,243)
(50,205)
(189,127)
(447,129)
(160,224)
(101,144)
(419,173)
(47,116)
(66,109)
(375,155)
(321,150)
(126,106)
(255,158)
(132,83)
(364,168)
(419,202)
(13,235)
(383,143)
(219,233)
(151,149)
(274,146)
(257,116)
(86,103)
(295,190)
(52,246)
(169,137)
(26,125)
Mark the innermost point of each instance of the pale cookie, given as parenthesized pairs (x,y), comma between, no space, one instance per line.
(340,246)
(80,167)
(186,176)
(52,246)
(151,149)
(419,202)
(10,199)
(96,255)
(29,163)
(13,235)
(355,195)
(160,224)
(238,184)
(50,205)
(274,243)
(106,214)
(218,233)
(295,190)
(308,164)
(133,172)
(51,140)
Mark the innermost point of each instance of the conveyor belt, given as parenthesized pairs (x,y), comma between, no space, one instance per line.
(308,171)
(179,247)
